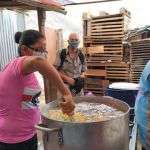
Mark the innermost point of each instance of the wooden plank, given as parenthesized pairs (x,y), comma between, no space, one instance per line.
(135,77)
(141,52)
(107,24)
(103,40)
(93,30)
(141,40)
(117,69)
(110,77)
(140,55)
(94,88)
(101,26)
(107,36)
(95,49)
(140,45)
(137,65)
(137,55)
(96,56)
(96,73)
(114,19)
(108,42)
(136,73)
(113,52)
(100,40)
(112,46)
(117,72)
(136,70)
(106,58)
(99,85)
(107,33)
(140,48)
(108,16)
(140,58)
(109,51)
(96,81)
(143,60)
(118,64)
(96,64)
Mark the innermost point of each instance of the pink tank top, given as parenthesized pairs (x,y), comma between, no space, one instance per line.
(19,111)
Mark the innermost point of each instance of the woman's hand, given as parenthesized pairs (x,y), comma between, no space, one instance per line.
(67,105)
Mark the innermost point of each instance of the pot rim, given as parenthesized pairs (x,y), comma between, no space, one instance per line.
(46,106)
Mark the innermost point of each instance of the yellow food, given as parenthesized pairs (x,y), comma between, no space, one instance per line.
(86,112)
(58,115)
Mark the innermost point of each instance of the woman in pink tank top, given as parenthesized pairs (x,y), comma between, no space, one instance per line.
(19,92)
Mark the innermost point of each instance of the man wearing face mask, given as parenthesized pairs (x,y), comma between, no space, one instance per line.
(70,63)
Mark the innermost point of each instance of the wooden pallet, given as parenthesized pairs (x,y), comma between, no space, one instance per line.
(111,51)
(117,71)
(107,31)
(140,55)
(106,27)
(97,86)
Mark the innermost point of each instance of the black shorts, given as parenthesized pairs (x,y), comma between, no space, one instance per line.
(30,144)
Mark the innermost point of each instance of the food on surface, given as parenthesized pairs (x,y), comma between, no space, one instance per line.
(86,112)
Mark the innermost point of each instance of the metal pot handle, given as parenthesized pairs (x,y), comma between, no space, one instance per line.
(43,127)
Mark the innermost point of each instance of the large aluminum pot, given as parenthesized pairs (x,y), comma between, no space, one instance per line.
(105,135)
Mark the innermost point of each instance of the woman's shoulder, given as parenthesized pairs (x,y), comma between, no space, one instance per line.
(14,65)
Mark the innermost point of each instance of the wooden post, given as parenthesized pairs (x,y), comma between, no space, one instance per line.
(41,20)
(50,90)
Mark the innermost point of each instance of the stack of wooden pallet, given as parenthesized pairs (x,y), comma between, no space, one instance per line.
(103,36)
(107,31)
(140,55)
(96,82)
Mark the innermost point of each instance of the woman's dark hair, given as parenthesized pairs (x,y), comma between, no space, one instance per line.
(27,38)
(17,37)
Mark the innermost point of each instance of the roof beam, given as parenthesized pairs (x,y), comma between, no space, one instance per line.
(29,5)
(91,2)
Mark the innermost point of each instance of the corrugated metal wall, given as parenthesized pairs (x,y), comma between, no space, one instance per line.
(10,23)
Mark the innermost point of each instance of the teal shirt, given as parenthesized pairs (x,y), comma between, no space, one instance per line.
(142,106)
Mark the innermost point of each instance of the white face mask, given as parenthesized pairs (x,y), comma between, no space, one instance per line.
(41,54)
